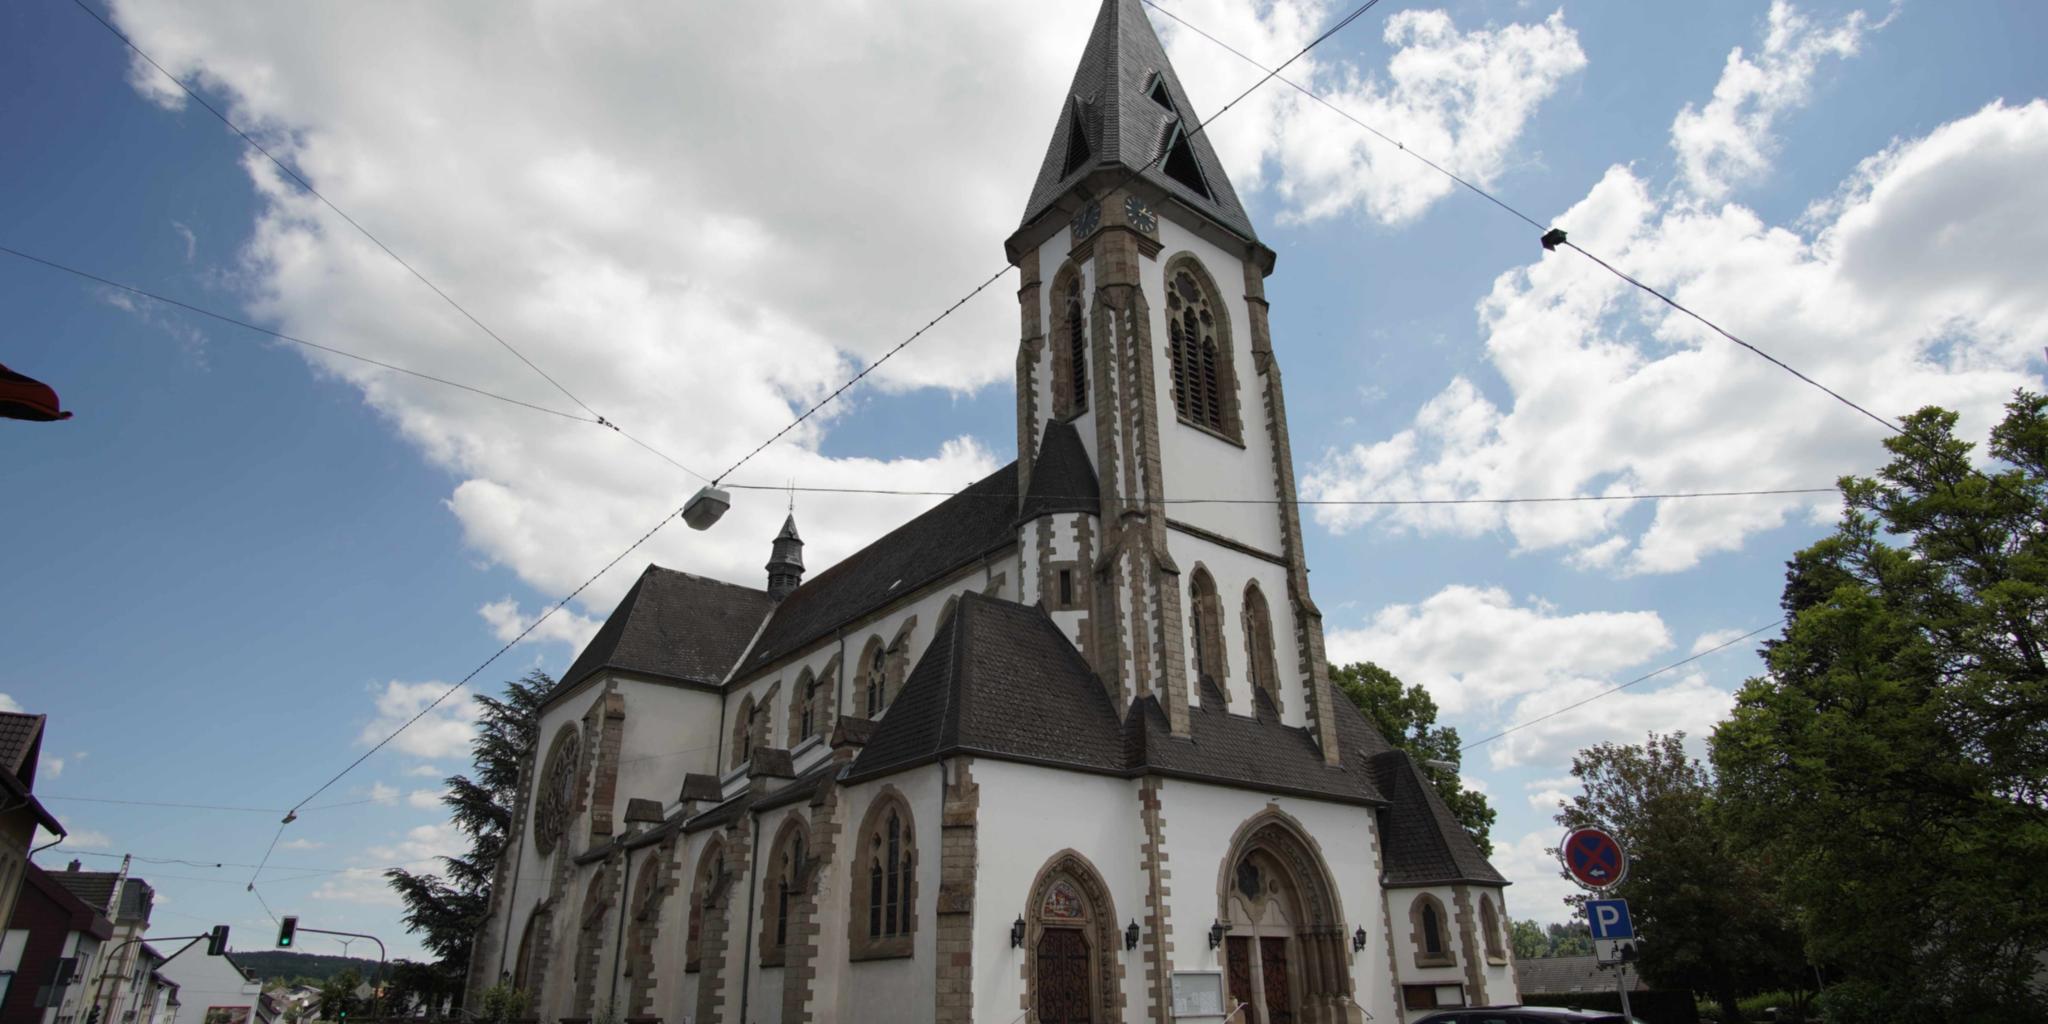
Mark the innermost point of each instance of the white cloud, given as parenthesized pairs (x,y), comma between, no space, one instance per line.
(424,771)
(446,731)
(1714,638)
(1731,140)
(565,626)
(1915,287)
(383,794)
(1540,887)
(8,703)
(49,767)
(361,886)
(1690,704)
(1462,96)
(1475,648)
(300,844)
(419,844)
(425,799)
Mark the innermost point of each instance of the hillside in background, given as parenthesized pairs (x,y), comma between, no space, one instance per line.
(278,963)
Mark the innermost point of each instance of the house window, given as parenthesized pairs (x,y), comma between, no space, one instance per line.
(885,900)
(1430,997)
(1198,351)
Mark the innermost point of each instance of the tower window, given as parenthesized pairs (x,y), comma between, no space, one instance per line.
(1066,588)
(1077,349)
(1077,138)
(1198,353)
(1156,88)
(1181,164)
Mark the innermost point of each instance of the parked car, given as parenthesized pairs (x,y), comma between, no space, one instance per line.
(1525,1015)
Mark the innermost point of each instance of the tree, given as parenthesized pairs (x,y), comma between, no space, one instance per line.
(338,997)
(1527,939)
(1568,940)
(447,909)
(1893,759)
(1406,716)
(1708,912)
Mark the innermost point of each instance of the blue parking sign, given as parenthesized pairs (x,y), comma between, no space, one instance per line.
(1609,919)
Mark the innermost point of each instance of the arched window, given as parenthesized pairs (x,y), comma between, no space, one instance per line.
(804,710)
(885,887)
(1258,639)
(1489,922)
(555,802)
(788,872)
(743,733)
(644,919)
(1427,931)
(526,969)
(1206,628)
(1077,348)
(1198,350)
(705,890)
(874,677)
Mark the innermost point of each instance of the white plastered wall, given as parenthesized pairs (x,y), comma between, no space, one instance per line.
(1406,941)
(1195,463)
(1232,570)
(1028,816)
(1202,820)
(904,989)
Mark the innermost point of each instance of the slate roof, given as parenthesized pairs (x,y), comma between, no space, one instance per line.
(93,888)
(1421,842)
(1062,477)
(956,532)
(1557,975)
(675,625)
(19,736)
(998,678)
(1125,127)
(1253,752)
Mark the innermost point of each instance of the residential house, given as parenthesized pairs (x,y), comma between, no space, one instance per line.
(54,940)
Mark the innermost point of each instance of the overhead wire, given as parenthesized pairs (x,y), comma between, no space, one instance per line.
(1575,705)
(948,311)
(281,336)
(1555,237)
(1518,500)
(1131,174)
(290,172)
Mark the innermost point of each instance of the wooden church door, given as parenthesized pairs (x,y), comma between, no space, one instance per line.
(1063,977)
(1273,968)
(1239,952)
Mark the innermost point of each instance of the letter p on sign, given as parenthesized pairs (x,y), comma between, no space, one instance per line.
(1609,919)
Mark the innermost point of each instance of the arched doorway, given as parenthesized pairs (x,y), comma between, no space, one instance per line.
(1284,958)
(1071,973)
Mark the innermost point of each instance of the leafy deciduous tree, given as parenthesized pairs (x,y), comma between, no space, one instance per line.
(1406,716)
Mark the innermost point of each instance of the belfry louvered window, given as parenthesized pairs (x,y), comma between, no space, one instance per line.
(1192,350)
(1077,348)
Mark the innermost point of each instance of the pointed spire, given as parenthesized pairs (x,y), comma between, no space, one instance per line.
(785,560)
(1126,109)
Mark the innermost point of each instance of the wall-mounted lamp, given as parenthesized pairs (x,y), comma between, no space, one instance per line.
(1358,939)
(1017,932)
(1131,936)
(1216,934)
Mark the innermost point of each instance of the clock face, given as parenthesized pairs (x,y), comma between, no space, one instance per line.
(1086,220)
(1140,216)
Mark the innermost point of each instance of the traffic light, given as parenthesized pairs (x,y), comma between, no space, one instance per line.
(286,929)
(217,940)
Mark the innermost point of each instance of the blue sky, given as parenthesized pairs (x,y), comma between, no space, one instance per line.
(236,563)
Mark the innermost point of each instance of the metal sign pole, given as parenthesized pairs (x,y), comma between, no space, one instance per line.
(1621,985)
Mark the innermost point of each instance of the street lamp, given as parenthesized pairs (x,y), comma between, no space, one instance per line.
(706,507)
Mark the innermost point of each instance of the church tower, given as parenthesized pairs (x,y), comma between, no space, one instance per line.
(1146,355)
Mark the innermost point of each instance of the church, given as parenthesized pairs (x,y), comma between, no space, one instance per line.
(1058,750)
